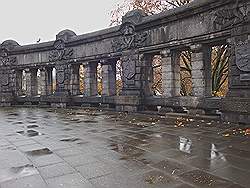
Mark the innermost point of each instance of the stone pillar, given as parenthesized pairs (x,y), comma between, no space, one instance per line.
(62,79)
(147,76)
(31,82)
(75,80)
(108,78)
(49,80)
(201,70)
(91,79)
(19,80)
(42,82)
(170,73)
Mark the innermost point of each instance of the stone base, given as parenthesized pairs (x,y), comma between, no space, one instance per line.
(6,100)
(128,103)
(165,110)
(236,110)
(196,112)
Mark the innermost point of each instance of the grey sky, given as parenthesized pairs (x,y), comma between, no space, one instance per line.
(27,20)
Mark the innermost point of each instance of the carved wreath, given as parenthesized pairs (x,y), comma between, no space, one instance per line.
(60,52)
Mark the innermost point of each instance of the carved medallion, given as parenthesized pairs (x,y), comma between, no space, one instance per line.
(60,52)
(5,79)
(129,39)
(60,77)
(243,57)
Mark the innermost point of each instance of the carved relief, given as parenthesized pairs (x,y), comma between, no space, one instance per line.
(128,67)
(5,59)
(243,57)
(5,80)
(60,52)
(231,16)
(129,39)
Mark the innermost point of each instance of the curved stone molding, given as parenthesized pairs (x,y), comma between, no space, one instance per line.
(60,52)
(65,35)
(129,38)
(134,16)
(9,44)
(230,16)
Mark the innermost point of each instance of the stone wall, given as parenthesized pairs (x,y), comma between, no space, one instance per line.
(196,27)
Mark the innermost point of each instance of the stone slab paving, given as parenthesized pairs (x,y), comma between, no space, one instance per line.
(43,148)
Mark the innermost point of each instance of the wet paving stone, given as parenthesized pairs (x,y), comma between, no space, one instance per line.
(90,148)
(172,167)
(17,172)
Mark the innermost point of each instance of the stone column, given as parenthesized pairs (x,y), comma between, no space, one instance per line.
(75,80)
(42,82)
(49,80)
(170,73)
(31,82)
(62,79)
(19,80)
(201,70)
(91,79)
(147,76)
(108,78)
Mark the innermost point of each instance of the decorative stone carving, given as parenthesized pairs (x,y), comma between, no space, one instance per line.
(130,39)
(231,16)
(60,52)
(243,56)
(5,80)
(128,67)
(5,59)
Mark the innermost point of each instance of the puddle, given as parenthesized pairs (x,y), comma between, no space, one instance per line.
(67,129)
(30,133)
(70,139)
(18,123)
(17,172)
(90,121)
(39,152)
(32,126)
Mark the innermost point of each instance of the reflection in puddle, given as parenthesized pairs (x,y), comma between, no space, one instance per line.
(17,172)
(215,154)
(29,133)
(185,145)
(39,152)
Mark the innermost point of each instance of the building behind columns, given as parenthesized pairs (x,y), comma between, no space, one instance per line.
(26,72)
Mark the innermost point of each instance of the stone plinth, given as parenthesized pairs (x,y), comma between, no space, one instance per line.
(128,103)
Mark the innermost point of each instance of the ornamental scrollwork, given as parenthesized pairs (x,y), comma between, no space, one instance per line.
(230,16)
(129,39)
(60,52)
(5,58)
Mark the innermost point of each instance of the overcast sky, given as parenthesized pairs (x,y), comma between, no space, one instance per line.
(25,21)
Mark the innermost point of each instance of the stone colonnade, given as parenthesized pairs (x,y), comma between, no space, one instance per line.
(171,79)
(67,79)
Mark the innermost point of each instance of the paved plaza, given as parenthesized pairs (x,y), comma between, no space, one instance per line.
(42,148)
